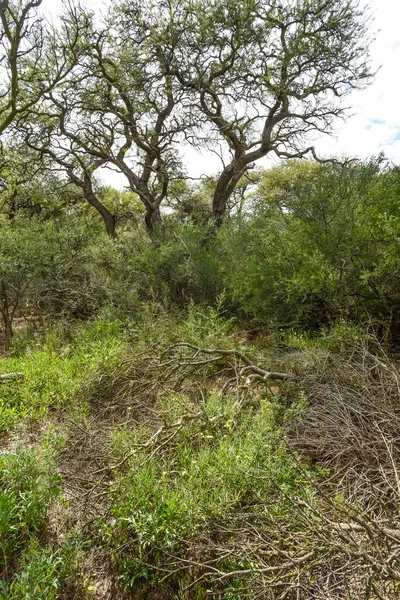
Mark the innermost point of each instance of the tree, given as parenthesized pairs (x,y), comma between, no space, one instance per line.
(34,59)
(123,113)
(29,189)
(258,77)
(17,172)
(319,244)
(138,104)
(48,136)
(27,257)
(41,128)
(266,75)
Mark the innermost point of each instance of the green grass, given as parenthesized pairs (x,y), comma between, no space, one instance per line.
(52,373)
(217,486)
(213,467)
(39,577)
(29,483)
(45,574)
(51,381)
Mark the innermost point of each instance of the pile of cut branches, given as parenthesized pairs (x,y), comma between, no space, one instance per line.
(315,516)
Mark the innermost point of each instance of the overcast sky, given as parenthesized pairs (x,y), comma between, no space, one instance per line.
(374,124)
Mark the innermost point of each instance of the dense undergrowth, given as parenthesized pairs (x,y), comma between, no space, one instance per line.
(130,469)
(205,413)
(312,246)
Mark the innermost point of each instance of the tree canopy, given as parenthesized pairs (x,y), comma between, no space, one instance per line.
(35,57)
(128,90)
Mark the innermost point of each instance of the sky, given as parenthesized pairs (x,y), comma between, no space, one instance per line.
(373,124)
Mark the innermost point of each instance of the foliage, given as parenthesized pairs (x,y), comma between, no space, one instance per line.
(204,411)
(29,484)
(312,245)
(39,578)
(51,371)
(185,488)
(34,58)
(170,484)
(183,75)
(315,250)
(264,76)
(160,504)
(28,251)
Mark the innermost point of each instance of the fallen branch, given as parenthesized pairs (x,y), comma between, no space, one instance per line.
(246,376)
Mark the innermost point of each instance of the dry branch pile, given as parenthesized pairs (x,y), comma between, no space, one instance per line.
(126,397)
(352,421)
(290,536)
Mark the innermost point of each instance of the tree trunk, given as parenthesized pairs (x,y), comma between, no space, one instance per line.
(219,206)
(86,185)
(13,207)
(108,218)
(6,314)
(152,218)
(225,187)
(8,333)
(109,222)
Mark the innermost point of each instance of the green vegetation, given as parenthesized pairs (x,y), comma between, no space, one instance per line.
(205,412)
(141,467)
(28,486)
(133,465)
(199,382)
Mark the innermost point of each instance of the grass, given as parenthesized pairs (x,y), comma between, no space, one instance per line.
(51,378)
(39,576)
(29,485)
(125,473)
(51,373)
(212,469)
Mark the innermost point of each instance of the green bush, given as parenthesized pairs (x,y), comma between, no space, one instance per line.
(319,246)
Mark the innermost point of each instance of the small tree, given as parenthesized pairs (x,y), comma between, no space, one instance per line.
(48,137)
(27,255)
(122,114)
(16,175)
(28,189)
